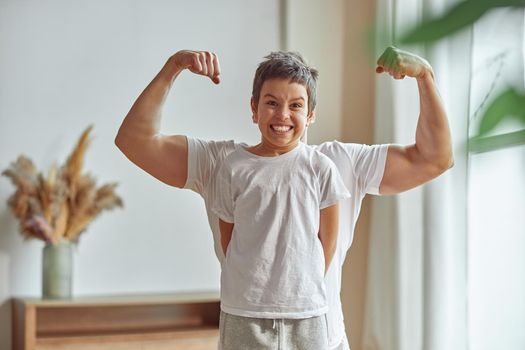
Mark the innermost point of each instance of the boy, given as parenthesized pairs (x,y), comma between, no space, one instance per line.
(186,162)
(277,205)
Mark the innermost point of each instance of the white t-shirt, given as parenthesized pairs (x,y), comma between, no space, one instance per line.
(361,168)
(274,266)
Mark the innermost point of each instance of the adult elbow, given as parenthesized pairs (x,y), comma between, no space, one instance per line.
(124,145)
(450,162)
(444,164)
(119,143)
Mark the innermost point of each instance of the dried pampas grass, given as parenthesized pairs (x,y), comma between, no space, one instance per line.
(61,204)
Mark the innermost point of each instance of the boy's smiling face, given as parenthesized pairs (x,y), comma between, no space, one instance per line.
(282,115)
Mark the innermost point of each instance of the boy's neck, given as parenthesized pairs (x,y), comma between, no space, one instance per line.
(263,151)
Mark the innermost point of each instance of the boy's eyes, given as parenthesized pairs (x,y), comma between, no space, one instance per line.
(293,105)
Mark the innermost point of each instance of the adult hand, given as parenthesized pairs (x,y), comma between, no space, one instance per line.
(399,63)
(199,62)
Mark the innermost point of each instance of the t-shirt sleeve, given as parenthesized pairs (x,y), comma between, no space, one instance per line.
(368,164)
(222,202)
(331,185)
(202,159)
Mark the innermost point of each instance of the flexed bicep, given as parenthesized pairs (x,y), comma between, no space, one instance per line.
(139,138)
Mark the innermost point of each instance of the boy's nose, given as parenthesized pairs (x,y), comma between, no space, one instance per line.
(283,113)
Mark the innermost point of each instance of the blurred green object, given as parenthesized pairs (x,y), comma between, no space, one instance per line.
(480,144)
(509,104)
(458,17)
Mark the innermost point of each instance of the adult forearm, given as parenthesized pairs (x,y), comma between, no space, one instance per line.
(139,135)
(433,140)
(143,119)
(408,166)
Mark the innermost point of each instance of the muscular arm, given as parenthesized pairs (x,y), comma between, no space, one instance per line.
(412,165)
(328,228)
(139,137)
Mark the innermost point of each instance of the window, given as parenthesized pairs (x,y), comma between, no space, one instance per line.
(496,187)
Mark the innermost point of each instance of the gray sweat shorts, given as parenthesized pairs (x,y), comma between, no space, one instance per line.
(247,333)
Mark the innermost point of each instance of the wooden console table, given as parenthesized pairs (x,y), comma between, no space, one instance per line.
(155,322)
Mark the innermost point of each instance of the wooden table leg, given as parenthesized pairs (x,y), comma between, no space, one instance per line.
(23,326)
(30,327)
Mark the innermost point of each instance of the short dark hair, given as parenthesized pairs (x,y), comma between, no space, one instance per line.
(286,65)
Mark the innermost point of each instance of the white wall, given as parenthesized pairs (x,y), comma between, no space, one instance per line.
(65,65)
(316,29)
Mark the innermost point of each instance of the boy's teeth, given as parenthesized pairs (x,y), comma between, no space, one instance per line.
(281,128)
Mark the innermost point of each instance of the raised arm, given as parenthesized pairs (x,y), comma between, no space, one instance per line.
(412,165)
(328,228)
(163,156)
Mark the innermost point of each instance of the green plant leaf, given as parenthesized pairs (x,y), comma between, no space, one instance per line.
(509,104)
(458,17)
(480,144)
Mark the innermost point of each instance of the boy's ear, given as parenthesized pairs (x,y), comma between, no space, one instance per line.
(311,118)
(254,111)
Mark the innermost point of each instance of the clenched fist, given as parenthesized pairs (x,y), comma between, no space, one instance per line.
(199,62)
(399,63)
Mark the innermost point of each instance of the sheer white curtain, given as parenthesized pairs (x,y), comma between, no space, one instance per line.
(416,293)
(496,245)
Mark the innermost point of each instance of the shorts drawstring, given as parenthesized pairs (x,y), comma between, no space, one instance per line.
(273,324)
